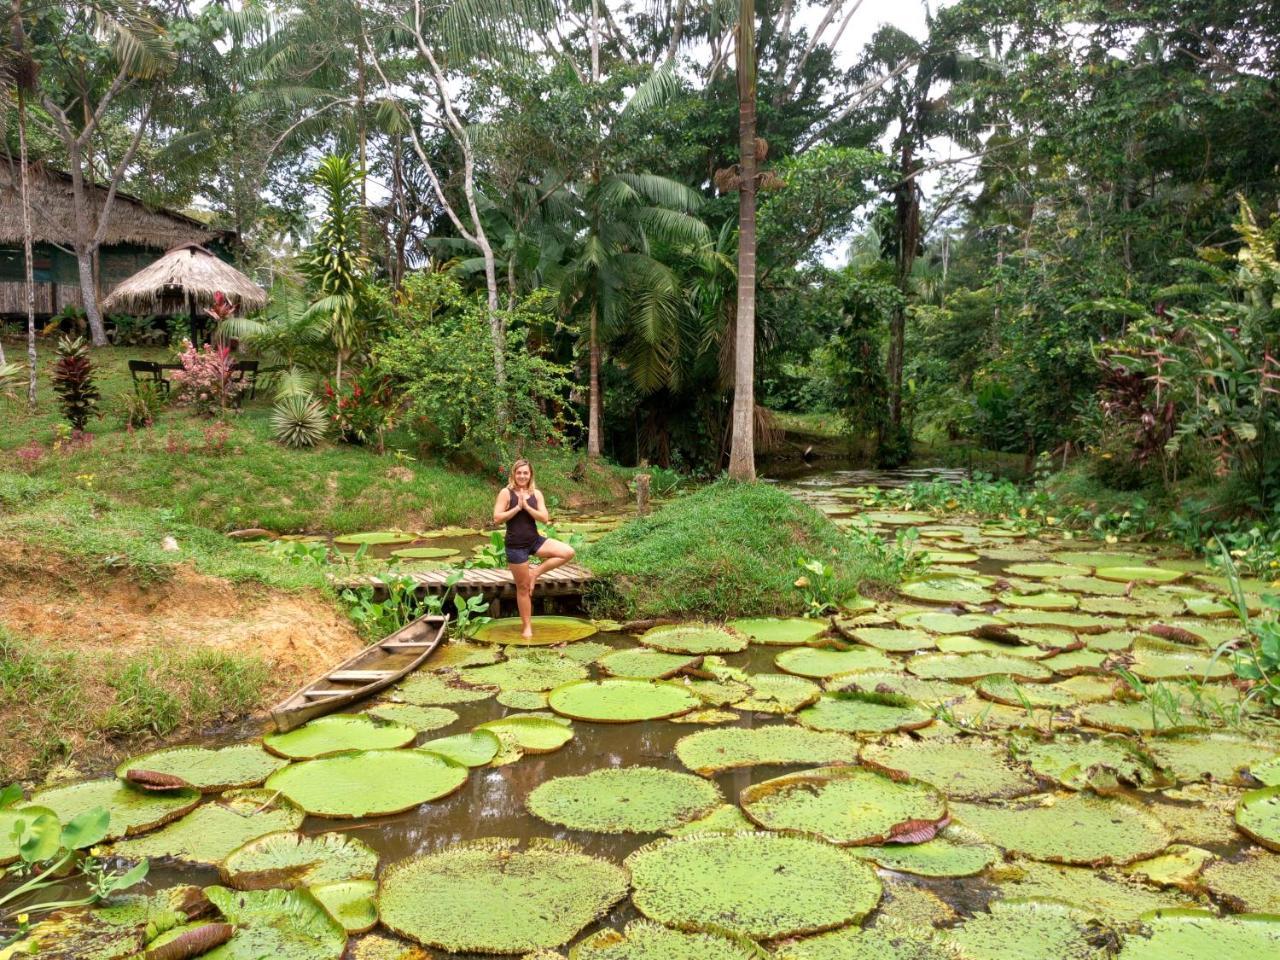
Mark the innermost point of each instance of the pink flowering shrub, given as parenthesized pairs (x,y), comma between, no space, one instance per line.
(205,380)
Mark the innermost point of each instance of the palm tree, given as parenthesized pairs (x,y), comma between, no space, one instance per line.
(624,289)
(18,68)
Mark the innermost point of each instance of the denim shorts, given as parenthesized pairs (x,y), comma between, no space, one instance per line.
(522,554)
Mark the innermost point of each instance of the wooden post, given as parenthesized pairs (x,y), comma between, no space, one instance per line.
(642,494)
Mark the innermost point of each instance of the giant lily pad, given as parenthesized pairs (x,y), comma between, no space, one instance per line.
(713,751)
(897,518)
(1062,620)
(1160,660)
(368,783)
(624,800)
(1001,689)
(1250,883)
(726,818)
(546,631)
(132,811)
(1155,575)
(1046,600)
(280,924)
(374,538)
(778,693)
(903,684)
(211,831)
(887,942)
(529,734)
(439,689)
(937,621)
(536,670)
(967,768)
(974,666)
(644,940)
(472,749)
(1027,930)
(865,713)
(210,771)
(955,852)
(618,700)
(780,631)
(1216,756)
(424,553)
(758,885)
(1178,866)
(1046,571)
(646,664)
(948,590)
(849,805)
(1102,893)
(1139,716)
(460,653)
(338,732)
(1200,935)
(1258,816)
(421,719)
(888,638)
(1080,763)
(289,859)
(350,902)
(819,663)
(496,896)
(1078,828)
(1093,586)
(693,638)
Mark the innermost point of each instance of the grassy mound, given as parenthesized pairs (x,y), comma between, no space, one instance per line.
(728,550)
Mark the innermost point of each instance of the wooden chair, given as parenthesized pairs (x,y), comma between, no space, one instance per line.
(147,371)
(246,372)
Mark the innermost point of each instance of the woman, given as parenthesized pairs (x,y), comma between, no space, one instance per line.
(520,505)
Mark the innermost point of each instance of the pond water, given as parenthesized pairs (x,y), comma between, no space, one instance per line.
(1014,714)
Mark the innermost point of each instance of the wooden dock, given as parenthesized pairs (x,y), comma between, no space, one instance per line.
(494,584)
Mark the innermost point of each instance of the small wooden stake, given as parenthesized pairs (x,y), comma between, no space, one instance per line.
(642,494)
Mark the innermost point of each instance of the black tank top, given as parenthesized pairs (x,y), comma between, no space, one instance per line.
(522,529)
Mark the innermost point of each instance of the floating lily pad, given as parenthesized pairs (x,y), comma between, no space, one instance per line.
(646,664)
(1267,773)
(713,751)
(1258,816)
(758,885)
(1078,763)
(966,645)
(495,895)
(425,553)
(951,556)
(897,518)
(1140,574)
(440,689)
(1077,828)
(617,700)
(848,712)
(338,732)
(1046,571)
(289,859)
(726,818)
(1101,559)
(211,831)
(895,641)
(644,940)
(1158,660)
(421,719)
(780,631)
(1178,866)
(1093,586)
(1105,894)
(546,631)
(132,811)
(942,622)
(778,693)
(1140,716)
(820,663)
(903,684)
(1200,813)
(1250,883)
(374,538)
(974,666)
(848,805)
(581,651)
(955,852)
(210,771)
(280,924)
(1027,930)
(1109,642)
(368,783)
(967,768)
(350,902)
(693,638)
(523,699)
(948,590)
(530,734)
(1216,756)
(1200,935)
(624,800)
(1064,620)
(1001,689)
(1041,601)
(472,749)
(536,670)
(882,942)
(459,653)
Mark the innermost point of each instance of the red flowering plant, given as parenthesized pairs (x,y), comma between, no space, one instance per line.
(206,380)
(362,409)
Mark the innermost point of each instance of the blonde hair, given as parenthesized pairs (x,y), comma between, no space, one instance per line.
(511,477)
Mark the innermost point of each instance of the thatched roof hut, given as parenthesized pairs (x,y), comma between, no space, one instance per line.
(53,215)
(183,280)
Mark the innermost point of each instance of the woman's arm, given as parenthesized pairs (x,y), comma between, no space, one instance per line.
(500,512)
(541,513)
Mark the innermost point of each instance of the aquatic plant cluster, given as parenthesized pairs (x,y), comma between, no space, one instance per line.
(1035,748)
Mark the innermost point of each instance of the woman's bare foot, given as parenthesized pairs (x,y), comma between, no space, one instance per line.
(526,634)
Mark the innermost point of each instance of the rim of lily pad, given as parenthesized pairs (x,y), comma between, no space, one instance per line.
(1045,600)
(503,896)
(287,859)
(281,924)
(421,719)
(643,663)
(892,639)
(693,638)
(974,666)
(954,852)
(1064,619)
(1155,659)
(530,734)
(940,621)
(1078,828)
(962,767)
(547,630)
(619,700)
(779,631)
(474,748)
(207,769)
(1031,929)
(759,885)
(1178,866)
(1258,816)
(350,902)
(339,732)
(1149,575)
(1046,571)
(1202,935)
(716,750)
(212,830)
(857,712)
(820,663)
(374,538)
(624,800)
(948,590)
(646,940)
(368,783)
(132,812)
(847,806)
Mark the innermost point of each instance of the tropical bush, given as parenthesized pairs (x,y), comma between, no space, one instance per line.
(299,420)
(73,382)
(362,409)
(139,408)
(205,381)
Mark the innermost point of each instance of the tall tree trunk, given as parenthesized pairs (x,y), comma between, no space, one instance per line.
(742,458)
(907,215)
(84,248)
(595,419)
(28,253)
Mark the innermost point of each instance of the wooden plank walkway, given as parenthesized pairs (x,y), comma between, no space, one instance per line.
(493,584)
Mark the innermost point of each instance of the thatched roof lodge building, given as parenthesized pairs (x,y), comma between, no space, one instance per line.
(136,237)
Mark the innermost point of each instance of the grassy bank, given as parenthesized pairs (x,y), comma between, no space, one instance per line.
(728,550)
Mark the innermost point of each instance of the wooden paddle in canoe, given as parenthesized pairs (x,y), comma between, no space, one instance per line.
(374,668)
